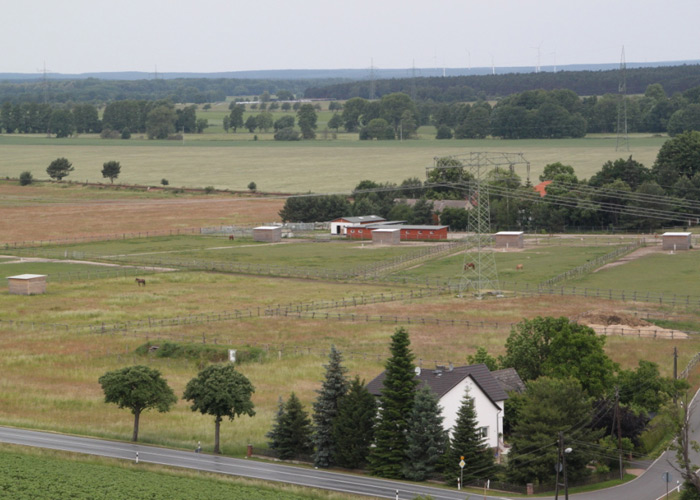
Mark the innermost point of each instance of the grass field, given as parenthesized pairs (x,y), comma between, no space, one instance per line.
(226,161)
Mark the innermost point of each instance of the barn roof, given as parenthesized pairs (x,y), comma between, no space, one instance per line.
(443,380)
(26,276)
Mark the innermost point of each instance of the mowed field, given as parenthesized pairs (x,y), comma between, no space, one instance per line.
(232,161)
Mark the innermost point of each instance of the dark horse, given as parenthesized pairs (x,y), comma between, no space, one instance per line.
(230,237)
(140,282)
(469,265)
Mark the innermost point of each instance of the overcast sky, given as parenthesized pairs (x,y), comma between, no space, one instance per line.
(78,36)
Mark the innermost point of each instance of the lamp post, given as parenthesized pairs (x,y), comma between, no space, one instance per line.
(566,482)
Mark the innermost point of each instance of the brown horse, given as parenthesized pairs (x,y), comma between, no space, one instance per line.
(469,265)
(230,237)
(519,267)
(140,282)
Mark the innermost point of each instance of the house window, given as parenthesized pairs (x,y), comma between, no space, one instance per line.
(420,232)
(483,432)
(352,231)
(431,232)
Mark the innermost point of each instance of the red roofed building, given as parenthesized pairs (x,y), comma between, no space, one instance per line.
(542,188)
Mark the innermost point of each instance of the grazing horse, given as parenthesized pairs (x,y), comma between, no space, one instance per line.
(230,237)
(469,265)
(519,267)
(140,282)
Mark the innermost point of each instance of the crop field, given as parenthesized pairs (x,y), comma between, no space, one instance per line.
(232,161)
(43,475)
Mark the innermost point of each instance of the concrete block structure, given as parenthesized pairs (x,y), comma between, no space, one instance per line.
(340,225)
(509,239)
(27,284)
(388,236)
(676,241)
(268,234)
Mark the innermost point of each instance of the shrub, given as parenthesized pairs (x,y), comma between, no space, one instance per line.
(252,186)
(164,182)
(209,189)
(26,178)
(287,134)
(108,133)
(199,352)
(444,132)
(126,133)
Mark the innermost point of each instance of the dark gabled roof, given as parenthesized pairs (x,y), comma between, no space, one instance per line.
(443,380)
(509,380)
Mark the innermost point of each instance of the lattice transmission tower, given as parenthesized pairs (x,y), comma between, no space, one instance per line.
(479,273)
(623,140)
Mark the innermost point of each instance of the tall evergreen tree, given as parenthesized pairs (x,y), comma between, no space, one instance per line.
(426,437)
(396,401)
(274,434)
(294,430)
(467,442)
(334,388)
(353,428)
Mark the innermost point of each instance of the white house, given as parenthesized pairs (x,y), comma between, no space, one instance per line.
(451,384)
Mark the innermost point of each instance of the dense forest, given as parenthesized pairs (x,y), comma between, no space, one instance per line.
(180,90)
(470,88)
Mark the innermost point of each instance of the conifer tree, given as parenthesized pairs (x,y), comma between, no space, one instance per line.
(294,430)
(396,401)
(274,433)
(426,437)
(467,442)
(353,428)
(334,388)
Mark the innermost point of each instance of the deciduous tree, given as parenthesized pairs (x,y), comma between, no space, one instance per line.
(59,168)
(221,391)
(307,118)
(138,388)
(111,170)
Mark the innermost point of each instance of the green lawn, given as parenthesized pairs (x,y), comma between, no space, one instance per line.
(672,274)
(539,263)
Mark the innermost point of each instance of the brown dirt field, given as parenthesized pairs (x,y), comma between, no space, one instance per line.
(30,218)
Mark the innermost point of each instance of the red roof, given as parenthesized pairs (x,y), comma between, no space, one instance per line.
(542,187)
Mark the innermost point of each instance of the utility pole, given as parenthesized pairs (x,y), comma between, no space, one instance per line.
(619,427)
(675,369)
(558,465)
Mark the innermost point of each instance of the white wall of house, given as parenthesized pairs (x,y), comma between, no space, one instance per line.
(488,415)
(339,227)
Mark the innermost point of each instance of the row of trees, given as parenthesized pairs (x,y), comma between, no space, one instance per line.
(217,390)
(306,119)
(61,167)
(159,119)
(530,114)
(398,436)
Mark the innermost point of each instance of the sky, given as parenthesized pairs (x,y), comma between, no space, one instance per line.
(80,36)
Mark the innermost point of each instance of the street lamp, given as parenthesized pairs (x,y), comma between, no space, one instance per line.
(566,482)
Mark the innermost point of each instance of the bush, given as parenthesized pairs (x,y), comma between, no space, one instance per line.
(164,182)
(444,132)
(108,133)
(287,134)
(199,352)
(126,133)
(26,178)
(209,189)
(252,186)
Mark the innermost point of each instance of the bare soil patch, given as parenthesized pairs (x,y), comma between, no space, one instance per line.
(637,254)
(31,221)
(618,323)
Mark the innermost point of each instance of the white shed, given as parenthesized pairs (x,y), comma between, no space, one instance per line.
(388,236)
(509,239)
(676,241)
(269,234)
(27,284)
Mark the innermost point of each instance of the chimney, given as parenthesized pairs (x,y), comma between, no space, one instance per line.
(450,367)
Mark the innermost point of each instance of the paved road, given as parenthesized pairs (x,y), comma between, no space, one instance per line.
(649,486)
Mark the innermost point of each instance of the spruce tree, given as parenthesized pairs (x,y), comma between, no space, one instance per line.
(274,433)
(396,401)
(467,442)
(334,388)
(426,437)
(294,431)
(353,428)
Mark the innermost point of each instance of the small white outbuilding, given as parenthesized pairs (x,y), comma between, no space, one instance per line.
(676,241)
(27,284)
